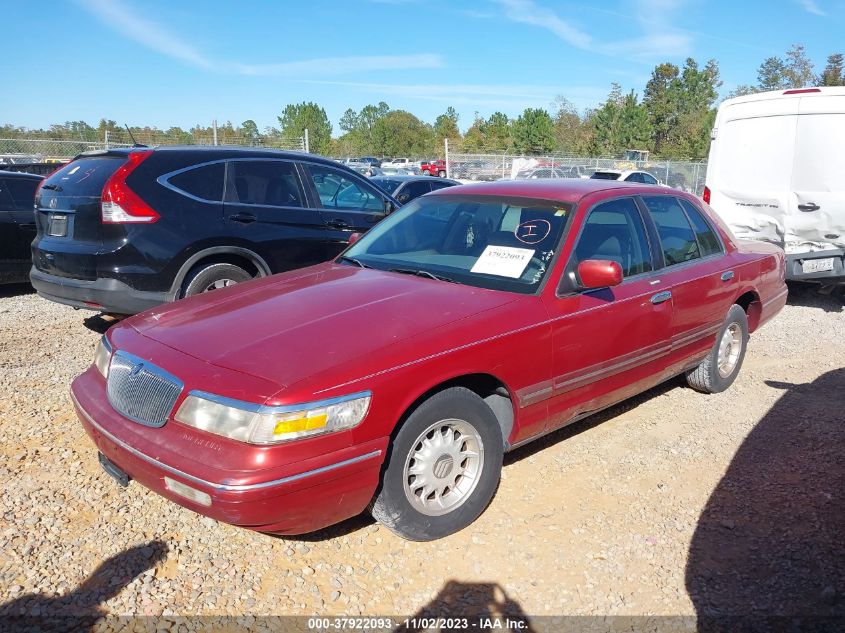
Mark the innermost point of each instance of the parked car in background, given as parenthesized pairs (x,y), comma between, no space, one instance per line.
(17,224)
(370,160)
(397,163)
(626,175)
(776,172)
(39,169)
(473,320)
(434,167)
(124,230)
(541,172)
(368,170)
(406,188)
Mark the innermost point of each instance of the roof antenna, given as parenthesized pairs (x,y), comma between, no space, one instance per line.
(135,143)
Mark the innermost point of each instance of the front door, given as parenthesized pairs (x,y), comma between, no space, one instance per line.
(610,343)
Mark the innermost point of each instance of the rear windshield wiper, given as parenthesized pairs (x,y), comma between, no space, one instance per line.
(53,187)
(357,262)
(422,273)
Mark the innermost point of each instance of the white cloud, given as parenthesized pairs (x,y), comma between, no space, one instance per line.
(659,38)
(811,7)
(116,15)
(484,97)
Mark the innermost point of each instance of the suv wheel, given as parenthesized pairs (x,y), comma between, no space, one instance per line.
(207,277)
(441,173)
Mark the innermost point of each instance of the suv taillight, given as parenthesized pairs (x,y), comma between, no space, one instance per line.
(706,195)
(121,205)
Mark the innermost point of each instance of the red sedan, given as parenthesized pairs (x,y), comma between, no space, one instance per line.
(469,322)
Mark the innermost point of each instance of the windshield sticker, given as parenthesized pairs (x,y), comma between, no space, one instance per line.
(533,231)
(504,261)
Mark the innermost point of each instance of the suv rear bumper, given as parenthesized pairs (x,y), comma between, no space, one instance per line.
(795,269)
(103,294)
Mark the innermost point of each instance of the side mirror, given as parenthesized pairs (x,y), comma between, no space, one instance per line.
(599,273)
(354,237)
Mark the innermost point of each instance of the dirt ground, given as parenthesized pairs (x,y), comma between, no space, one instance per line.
(675,503)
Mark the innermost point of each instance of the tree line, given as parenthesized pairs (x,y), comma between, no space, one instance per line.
(671,119)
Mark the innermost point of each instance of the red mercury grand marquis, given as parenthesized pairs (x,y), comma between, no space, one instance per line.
(471,321)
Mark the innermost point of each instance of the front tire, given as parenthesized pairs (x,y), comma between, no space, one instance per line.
(443,467)
(441,174)
(205,278)
(721,366)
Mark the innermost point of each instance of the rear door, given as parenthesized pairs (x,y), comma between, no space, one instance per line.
(266,210)
(68,217)
(817,214)
(348,203)
(695,273)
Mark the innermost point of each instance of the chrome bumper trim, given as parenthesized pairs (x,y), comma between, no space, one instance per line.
(223,487)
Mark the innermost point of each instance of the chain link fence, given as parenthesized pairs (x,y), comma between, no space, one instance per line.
(684,175)
(46,150)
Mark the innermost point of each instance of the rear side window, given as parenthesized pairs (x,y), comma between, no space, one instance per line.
(676,235)
(635,177)
(205,182)
(84,177)
(22,192)
(265,182)
(648,179)
(614,231)
(708,241)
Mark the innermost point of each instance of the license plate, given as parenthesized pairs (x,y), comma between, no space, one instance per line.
(817,265)
(57,225)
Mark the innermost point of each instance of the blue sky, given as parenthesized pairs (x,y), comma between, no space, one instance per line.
(164,63)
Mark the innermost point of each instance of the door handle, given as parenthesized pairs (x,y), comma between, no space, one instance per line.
(338,224)
(660,297)
(810,206)
(727,275)
(243,218)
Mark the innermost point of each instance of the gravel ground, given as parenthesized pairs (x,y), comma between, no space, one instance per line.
(674,503)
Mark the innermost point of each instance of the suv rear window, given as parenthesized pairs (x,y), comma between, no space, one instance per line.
(85,176)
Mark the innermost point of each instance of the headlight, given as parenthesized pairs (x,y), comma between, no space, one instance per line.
(257,424)
(102,356)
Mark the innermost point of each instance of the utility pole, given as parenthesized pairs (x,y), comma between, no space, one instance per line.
(446,146)
(305,140)
(214,128)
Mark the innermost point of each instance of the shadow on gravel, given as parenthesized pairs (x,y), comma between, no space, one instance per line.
(15,290)
(809,296)
(769,541)
(575,428)
(343,528)
(485,604)
(80,609)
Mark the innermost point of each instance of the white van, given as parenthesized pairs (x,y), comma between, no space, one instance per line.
(776,172)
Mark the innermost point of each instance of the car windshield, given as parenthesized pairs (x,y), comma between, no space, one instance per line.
(386,184)
(605,175)
(493,242)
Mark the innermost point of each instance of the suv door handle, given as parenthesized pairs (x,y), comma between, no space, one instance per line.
(660,297)
(338,224)
(243,218)
(810,206)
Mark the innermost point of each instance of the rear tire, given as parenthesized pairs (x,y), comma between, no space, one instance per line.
(207,277)
(443,467)
(721,366)
(441,174)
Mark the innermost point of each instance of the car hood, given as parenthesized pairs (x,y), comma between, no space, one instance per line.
(288,327)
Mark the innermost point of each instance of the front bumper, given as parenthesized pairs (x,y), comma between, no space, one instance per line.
(103,294)
(298,500)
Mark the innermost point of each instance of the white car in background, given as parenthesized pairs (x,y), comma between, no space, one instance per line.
(627,175)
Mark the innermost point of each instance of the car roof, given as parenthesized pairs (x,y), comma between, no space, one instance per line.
(403,177)
(560,189)
(223,151)
(19,174)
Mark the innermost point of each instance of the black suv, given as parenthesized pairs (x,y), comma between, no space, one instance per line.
(17,224)
(124,230)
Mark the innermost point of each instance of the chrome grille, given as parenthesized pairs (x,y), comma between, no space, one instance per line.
(141,391)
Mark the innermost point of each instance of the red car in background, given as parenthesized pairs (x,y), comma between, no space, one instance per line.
(434,167)
(469,322)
